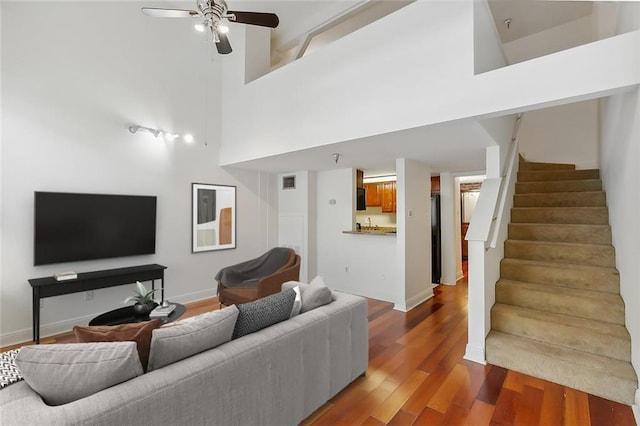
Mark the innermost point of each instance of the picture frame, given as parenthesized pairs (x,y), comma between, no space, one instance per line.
(213,219)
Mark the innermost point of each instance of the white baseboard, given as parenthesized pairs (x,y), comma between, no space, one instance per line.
(475,354)
(414,301)
(46,330)
(65,326)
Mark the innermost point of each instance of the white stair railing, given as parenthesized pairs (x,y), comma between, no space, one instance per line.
(486,235)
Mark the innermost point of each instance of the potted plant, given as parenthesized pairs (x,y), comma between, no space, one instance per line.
(144,302)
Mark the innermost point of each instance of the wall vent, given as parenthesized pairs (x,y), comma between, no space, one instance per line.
(289,182)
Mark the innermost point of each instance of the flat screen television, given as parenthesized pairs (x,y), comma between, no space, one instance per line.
(70,227)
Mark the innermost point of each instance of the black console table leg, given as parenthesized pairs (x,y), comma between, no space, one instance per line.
(36,316)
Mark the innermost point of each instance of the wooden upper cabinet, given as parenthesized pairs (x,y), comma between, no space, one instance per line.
(388,197)
(373,194)
(435,185)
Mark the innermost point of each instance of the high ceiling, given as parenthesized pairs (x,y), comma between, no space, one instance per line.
(318,22)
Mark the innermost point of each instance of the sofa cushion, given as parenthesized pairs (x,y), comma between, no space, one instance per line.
(314,294)
(262,313)
(183,339)
(66,372)
(136,332)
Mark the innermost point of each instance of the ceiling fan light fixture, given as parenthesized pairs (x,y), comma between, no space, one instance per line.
(200,27)
(223,28)
(188,138)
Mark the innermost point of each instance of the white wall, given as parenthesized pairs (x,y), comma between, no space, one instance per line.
(414,233)
(620,165)
(297,219)
(448,224)
(303,105)
(487,46)
(74,76)
(358,264)
(562,134)
(566,36)
(356,76)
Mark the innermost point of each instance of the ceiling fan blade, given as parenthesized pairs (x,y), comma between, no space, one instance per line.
(256,18)
(168,13)
(223,46)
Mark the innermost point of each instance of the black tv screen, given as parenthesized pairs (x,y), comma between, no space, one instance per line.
(71,227)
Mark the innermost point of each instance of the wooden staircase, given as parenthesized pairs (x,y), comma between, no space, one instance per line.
(558,313)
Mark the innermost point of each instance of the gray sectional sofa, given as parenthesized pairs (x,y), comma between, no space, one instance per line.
(276,376)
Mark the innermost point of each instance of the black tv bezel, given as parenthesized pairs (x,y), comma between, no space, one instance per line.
(48,261)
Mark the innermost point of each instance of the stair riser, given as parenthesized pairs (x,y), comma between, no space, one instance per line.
(548,175)
(595,255)
(533,166)
(566,215)
(563,372)
(565,304)
(585,234)
(561,199)
(563,335)
(597,279)
(559,186)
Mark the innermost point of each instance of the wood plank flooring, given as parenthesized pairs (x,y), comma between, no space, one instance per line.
(417,376)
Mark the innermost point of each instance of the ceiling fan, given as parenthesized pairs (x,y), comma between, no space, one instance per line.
(214,13)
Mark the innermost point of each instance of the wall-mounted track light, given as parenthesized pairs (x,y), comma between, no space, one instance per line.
(169,136)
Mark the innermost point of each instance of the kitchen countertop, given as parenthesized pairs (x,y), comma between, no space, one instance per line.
(389,231)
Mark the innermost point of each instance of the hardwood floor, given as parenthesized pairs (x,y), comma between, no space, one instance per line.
(417,376)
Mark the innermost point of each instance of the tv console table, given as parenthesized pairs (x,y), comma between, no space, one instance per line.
(86,281)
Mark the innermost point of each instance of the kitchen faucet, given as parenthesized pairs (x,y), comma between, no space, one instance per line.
(369,221)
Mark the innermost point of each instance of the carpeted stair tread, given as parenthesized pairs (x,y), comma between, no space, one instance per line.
(558,313)
(574,253)
(561,199)
(552,175)
(585,277)
(575,215)
(602,376)
(596,337)
(593,305)
(559,186)
(567,233)
(536,166)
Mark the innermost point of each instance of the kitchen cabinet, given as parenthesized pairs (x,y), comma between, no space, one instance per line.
(373,194)
(388,197)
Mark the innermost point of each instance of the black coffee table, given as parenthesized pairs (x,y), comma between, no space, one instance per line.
(126,315)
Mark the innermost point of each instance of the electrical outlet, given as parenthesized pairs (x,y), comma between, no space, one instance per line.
(88,295)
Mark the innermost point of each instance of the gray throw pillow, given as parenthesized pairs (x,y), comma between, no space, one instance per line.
(183,339)
(262,313)
(315,294)
(63,373)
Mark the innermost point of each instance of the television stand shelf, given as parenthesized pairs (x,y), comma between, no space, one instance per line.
(86,281)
